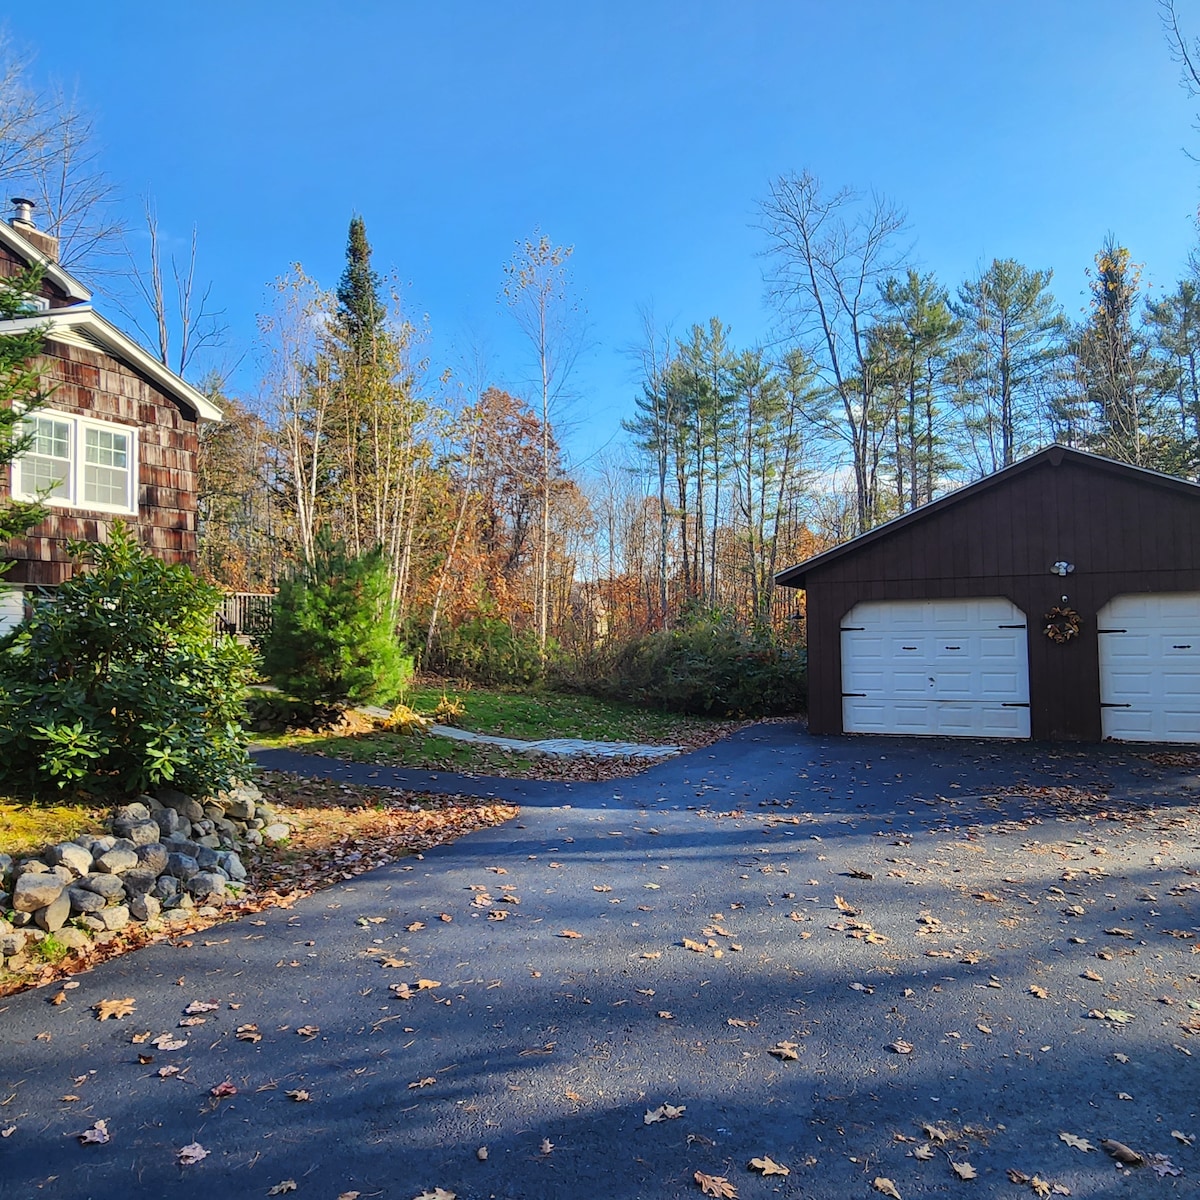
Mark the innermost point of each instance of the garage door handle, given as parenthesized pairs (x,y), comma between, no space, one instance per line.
(1187,647)
(862,694)
(1107,704)
(854,628)
(1015,704)
(1112,630)
(1011,626)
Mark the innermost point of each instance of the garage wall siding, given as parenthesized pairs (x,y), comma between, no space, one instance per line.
(1122,532)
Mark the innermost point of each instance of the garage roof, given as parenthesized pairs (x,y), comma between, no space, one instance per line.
(1052,456)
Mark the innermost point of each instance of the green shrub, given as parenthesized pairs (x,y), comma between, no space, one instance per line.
(487,649)
(115,684)
(332,638)
(708,666)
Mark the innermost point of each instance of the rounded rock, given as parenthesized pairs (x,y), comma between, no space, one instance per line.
(108,886)
(182,866)
(85,901)
(118,859)
(207,886)
(35,891)
(152,858)
(115,918)
(54,916)
(67,854)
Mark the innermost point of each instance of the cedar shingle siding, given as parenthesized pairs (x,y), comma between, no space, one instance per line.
(92,383)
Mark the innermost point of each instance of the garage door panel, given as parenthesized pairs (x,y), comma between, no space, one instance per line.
(1150,667)
(954,668)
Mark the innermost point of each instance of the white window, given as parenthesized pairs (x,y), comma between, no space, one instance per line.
(78,463)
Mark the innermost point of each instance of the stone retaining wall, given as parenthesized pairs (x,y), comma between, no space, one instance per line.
(165,856)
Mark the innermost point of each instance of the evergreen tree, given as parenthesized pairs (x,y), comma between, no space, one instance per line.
(1012,331)
(1174,325)
(332,638)
(21,391)
(360,310)
(1113,366)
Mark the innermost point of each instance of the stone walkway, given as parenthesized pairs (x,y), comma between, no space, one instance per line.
(558,745)
(562,746)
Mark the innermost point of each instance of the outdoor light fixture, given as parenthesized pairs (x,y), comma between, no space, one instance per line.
(1061,568)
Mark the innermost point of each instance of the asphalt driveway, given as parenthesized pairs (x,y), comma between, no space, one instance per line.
(921,956)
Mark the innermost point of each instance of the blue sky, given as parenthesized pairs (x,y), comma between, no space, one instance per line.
(642,133)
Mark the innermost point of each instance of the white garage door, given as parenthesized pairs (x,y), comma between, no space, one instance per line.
(950,667)
(1150,667)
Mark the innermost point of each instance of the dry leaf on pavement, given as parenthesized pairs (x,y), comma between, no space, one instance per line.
(1076,1143)
(299,1095)
(569,933)
(114,1008)
(248,1033)
(222,1089)
(786,1051)
(1038,991)
(923,1153)
(900,1046)
(963,1170)
(96,1136)
(768,1166)
(284,1185)
(193,1152)
(436,1194)
(547,1146)
(881,1183)
(716,1185)
(664,1112)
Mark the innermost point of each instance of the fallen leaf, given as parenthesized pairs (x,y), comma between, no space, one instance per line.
(842,906)
(666,1015)
(8,1131)
(1076,1143)
(695,947)
(167,1072)
(1162,1166)
(1122,1153)
(785,1051)
(482,1153)
(192,1153)
(248,1033)
(114,1008)
(900,1046)
(547,1146)
(415,926)
(601,887)
(935,1133)
(58,998)
(568,933)
(664,1112)
(308,1031)
(923,1153)
(1038,991)
(97,1135)
(963,1170)
(298,1094)
(1094,976)
(715,1185)
(441,1193)
(223,1089)
(445,917)
(987,897)
(424,985)
(201,1006)
(1183,1137)
(428,1081)
(768,1166)
(284,1185)
(166,1042)
(881,1183)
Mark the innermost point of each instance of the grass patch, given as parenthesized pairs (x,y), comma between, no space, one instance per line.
(533,715)
(29,825)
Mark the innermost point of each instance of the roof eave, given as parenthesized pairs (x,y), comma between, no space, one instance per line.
(35,257)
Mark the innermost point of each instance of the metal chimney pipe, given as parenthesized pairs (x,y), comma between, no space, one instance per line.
(22,211)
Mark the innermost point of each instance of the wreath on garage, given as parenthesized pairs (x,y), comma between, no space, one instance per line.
(1061,624)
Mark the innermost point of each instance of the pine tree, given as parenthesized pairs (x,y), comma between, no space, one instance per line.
(21,391)
(360,309)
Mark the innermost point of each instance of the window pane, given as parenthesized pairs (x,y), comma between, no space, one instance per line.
(51,438)
(105,467)
(105,447)
(40,474)
(46,465)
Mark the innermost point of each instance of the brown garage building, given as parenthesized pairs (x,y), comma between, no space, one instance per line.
(1058,599)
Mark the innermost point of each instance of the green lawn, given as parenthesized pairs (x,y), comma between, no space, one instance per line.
(534,715)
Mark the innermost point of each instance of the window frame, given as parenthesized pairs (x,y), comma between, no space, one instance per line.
(75,481)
